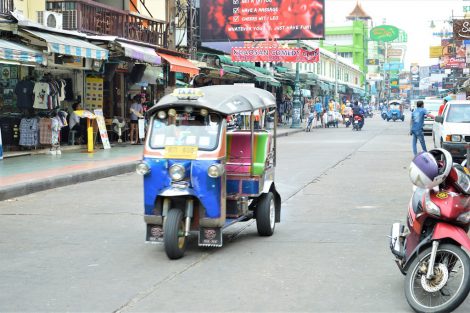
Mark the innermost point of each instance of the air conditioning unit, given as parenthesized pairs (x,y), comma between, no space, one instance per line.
(50,19)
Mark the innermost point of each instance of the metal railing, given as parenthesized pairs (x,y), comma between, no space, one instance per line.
(6,6)
(95,18)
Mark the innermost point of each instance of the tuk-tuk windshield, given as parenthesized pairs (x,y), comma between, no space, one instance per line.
(186,129)
(394,107)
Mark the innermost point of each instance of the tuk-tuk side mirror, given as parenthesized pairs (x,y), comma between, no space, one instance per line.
(439,119)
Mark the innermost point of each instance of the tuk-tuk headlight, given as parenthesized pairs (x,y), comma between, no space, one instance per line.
(177,172)
(161,115)
(215,170)
(142,168)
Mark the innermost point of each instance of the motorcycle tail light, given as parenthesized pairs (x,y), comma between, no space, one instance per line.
(430,207)
(464,218)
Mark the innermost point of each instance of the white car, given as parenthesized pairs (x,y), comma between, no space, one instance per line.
(432,105)
(451,131)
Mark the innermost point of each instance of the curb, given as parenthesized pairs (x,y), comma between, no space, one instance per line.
(27,188)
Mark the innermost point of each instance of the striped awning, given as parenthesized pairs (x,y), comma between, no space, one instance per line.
(11,51)
(71,46)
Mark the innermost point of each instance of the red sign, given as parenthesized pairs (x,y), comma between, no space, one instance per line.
(450,62)
(275,54)
(243,20)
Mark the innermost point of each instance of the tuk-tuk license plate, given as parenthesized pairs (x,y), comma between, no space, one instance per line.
(210,237)
(181,152)
(154,233)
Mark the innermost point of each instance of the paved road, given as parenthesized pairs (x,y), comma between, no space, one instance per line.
(80,248)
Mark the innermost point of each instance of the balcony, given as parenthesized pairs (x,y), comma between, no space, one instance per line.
(98,19)
(6,6)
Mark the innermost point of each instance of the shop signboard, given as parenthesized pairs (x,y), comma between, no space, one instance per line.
(372,62)
(275,54)
(414,72)
(448,62)
(467,53)
(393,66)
(244,20)
(451,47)
(94,93)
(384,33)
(435,51)
(461,29)
(394,52)
(102,128)
(435,69)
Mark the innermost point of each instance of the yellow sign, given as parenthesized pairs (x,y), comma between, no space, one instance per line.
(181,152)
(435,52)
(442,195)
(94,93)
(85,114)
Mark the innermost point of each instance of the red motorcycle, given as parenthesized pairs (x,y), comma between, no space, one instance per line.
(358,123)
(429,250)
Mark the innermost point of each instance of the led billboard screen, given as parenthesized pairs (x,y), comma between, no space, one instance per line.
(244,20)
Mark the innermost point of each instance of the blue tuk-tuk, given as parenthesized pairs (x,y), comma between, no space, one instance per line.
(395,112)
(200,175)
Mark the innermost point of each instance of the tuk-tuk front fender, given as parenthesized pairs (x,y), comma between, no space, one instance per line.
(269,186)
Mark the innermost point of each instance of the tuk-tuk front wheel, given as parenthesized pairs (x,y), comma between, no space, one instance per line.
(174,236)
(266,215)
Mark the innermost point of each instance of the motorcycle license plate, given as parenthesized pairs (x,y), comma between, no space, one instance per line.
(181,152)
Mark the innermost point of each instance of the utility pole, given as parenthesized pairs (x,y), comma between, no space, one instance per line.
(296,105)
(192,29)
(336,74)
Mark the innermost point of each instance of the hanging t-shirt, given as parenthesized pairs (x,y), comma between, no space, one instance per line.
(41,95)
(62,90)
(24,94)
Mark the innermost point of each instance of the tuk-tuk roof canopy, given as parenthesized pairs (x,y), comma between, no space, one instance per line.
(225,99)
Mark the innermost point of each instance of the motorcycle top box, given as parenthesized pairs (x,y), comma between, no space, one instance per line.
(202,176)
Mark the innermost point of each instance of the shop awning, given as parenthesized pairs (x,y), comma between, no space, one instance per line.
(151,75)
(178,64)
(16,52)
(141,53)
(71,46)
(260,77)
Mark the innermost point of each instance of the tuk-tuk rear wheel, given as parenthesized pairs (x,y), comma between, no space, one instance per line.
(266,215)
(174,236)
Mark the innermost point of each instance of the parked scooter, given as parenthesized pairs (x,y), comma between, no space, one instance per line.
(358,123)
(429,249)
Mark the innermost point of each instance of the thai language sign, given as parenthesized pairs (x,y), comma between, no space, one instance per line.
(240,20)
(275,54)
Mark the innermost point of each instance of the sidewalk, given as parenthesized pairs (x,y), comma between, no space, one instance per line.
(22,175)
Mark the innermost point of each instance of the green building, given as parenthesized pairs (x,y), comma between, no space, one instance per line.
(350,42)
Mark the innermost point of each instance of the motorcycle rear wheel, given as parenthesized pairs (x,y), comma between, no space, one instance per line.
(455,261)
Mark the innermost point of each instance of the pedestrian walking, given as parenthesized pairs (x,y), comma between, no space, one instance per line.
(416,126)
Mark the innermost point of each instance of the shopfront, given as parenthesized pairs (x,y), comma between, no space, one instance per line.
(42,87)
